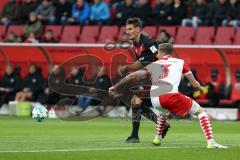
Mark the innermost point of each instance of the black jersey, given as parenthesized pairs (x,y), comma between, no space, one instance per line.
(145,50)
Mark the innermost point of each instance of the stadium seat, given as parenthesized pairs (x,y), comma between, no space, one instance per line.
(224,36)
(18,29)
(122,33)
(151,31)
(57,30)
(70,34)
(235,81)
(153,3)
(204,35)
(108,34)
(185,35)
(171,30)
(2,3)
(2,66)
(237,37)
(107,1)
(2,33)
(89,34)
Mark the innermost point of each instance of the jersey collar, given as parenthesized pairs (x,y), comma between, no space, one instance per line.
(166,57)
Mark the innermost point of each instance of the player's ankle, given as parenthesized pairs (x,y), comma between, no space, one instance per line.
(158,137)
(211,141)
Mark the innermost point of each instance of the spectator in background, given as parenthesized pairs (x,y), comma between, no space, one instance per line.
(10,13)
(114,3)
(178,12)
(219,12)
(161,13)
(102,82)
(10,85)
(233,15)
(26,8)
(48,96)
(237,76)
(100,13)
(76,76)
(45,11)
(124,10)
(32,85)
(164,37)
(31,38)
(215,88)
(12,38)
(186,87)
(62,12)
(143,11)
(198,15)
(217,82)
(33,26)
(80,13)
(49,37)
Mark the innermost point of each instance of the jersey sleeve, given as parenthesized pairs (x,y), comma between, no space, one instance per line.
(148,54)
(186,69)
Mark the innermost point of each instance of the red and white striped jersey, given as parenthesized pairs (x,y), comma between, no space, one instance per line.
(167,70)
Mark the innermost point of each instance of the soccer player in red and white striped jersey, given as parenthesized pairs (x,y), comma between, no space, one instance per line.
(166,74)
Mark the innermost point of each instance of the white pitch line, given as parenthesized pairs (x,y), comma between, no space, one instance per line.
(116,142)
(97,149)
(107,149)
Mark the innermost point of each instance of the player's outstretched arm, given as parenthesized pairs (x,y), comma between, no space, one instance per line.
(131,67)
(132,77)
(194,82)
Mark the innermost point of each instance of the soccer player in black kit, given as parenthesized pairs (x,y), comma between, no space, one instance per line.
(145,50)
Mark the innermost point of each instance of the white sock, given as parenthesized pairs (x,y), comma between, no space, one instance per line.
(206,126)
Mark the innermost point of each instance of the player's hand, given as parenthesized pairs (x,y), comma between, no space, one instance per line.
(113,93)
(123,70)
(203,90)
(111,90)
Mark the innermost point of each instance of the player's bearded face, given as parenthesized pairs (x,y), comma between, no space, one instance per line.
(132,31)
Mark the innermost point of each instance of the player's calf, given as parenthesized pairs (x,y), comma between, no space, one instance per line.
(205,125)
(161,122)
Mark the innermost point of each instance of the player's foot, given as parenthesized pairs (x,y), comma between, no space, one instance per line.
(165,130)
(132,140)
(215,145)
(157,141)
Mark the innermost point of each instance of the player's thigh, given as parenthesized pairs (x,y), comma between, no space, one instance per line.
(196,108)
(135,100)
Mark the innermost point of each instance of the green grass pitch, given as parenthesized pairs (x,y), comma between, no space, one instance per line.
(102,139)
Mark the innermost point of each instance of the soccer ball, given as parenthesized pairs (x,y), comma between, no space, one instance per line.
(39,113)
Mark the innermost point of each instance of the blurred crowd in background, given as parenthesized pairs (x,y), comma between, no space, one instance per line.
(35,13)
(115,12)
(34,87)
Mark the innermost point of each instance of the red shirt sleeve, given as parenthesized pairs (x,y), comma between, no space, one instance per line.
(186,69)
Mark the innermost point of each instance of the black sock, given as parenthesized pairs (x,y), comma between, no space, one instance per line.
(148,113)
(136,118)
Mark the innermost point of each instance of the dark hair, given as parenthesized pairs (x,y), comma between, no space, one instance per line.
(165,32)
(136,22)
(167,48)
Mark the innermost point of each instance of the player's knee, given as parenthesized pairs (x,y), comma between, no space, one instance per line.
(200,110)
